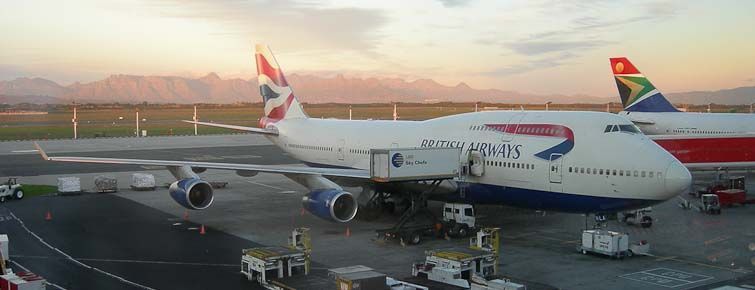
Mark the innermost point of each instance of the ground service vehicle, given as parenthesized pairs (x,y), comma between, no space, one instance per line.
(458,221)
(710,204)
(11,189)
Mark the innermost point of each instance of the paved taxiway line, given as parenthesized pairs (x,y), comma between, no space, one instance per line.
(24,151)
(74,260)
(131,261)
(265,185)
(46,282)
(680,260)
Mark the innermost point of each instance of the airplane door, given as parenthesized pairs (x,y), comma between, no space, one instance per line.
(555,172)
(511,127)
(341,148)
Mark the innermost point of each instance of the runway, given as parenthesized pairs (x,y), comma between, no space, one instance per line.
(134,234)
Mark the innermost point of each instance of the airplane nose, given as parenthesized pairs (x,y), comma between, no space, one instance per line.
(678,179)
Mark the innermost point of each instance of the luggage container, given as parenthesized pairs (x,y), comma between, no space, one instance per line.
(363,280)
(105,184)
(605,242)
(142,181)
(403,164)
(69,185)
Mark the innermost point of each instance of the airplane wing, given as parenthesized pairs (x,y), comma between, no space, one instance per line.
(281,169)
(235,127)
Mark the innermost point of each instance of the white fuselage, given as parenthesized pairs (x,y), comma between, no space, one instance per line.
(602,172)
(683,123)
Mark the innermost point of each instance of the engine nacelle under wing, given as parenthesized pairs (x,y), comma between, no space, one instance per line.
(331,204)
(192,193)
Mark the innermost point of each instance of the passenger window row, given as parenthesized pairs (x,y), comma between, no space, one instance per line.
(693,131)
(480,128)
(310,147)
(614,172)
(514,165)
(359,151)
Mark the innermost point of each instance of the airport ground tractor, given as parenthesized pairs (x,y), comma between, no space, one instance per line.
(11,190)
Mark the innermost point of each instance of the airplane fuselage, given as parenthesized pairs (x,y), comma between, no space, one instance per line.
(560,161)
(684,123)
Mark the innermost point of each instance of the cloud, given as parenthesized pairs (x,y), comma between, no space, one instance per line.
(540,63)
(537,47)
(580,26)
(285,23)
(454,3)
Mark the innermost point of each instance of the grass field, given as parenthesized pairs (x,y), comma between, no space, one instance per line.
(160,120)
(36,190)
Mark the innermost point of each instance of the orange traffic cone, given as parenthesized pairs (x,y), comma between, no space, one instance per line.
(48,216)
(202,230)
(186,215)
(348,232)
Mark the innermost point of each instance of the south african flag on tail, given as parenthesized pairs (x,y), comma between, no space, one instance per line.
(636,91)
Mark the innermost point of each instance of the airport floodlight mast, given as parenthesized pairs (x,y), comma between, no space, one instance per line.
(350,113)
(75,122)
(547,104)
(137,123)
(395,112)
(195,120)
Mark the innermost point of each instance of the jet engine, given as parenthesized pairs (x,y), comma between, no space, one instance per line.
(192,193)
(331,204)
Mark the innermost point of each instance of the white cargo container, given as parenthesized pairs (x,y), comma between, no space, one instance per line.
(69,185)
(401,164)
(142,181)
(605,242)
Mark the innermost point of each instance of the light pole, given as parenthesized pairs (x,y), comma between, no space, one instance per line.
(547,104)
(349,112)
(75,122)
(395,112)
(137,123)
(195,120)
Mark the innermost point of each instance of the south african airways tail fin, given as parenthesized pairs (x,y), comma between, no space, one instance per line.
(636,92)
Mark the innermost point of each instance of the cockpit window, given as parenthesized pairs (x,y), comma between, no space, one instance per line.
(629,128)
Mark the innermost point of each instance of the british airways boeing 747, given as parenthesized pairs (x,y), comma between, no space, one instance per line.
(560,161)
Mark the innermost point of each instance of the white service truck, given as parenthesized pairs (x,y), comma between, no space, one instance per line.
(11,189)
(458,221)
(429,165)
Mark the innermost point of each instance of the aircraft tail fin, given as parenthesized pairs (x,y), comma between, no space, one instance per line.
(279,99)
(636,92)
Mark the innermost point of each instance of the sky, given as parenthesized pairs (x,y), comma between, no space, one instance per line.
(538,46)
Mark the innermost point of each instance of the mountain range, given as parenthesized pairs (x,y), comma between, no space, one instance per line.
(311,89)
